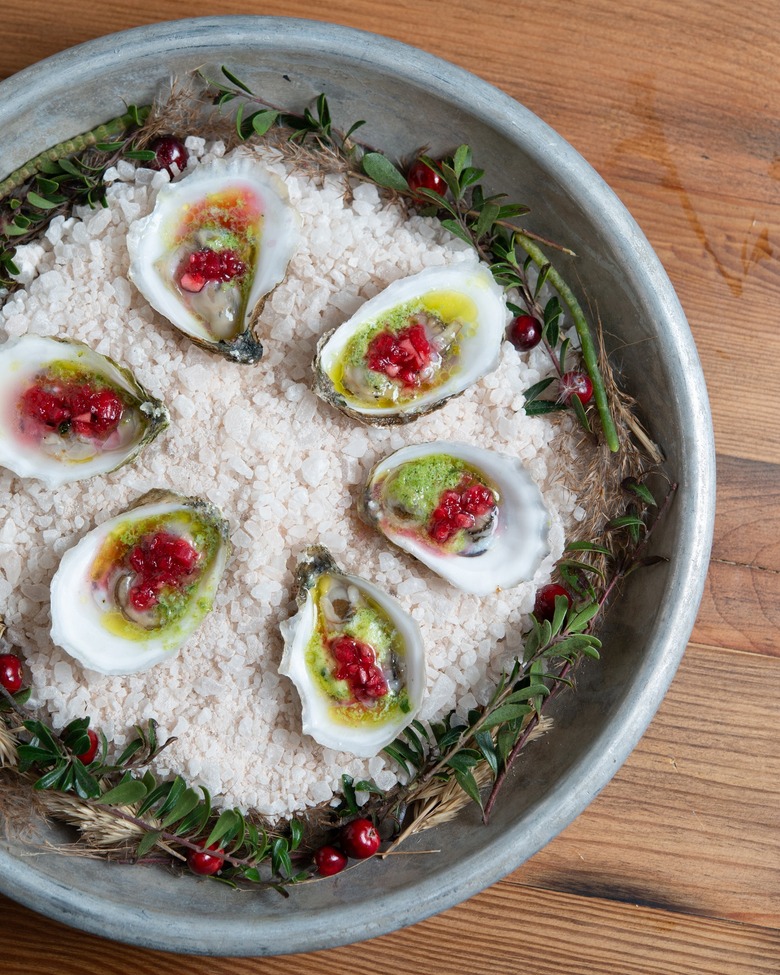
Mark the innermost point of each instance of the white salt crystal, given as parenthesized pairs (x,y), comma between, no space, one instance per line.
(315,467)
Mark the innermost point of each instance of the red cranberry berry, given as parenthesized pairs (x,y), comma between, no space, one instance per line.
(544,605)
(524,332)
(329,861)
(203,863)
(11,672)
(168,152)
(360,839)
(575,384)
(422,177)
(89,755)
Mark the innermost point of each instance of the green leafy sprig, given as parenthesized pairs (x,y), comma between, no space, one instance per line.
(53,182)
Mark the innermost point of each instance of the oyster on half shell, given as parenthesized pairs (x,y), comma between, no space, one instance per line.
(215,244)
(130,593)
(68,412)
(406,351)
(354,655)
(474,516)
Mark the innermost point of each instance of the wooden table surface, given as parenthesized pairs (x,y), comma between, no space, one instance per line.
(675,868)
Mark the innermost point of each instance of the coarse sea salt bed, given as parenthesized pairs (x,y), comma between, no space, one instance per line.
(284,467)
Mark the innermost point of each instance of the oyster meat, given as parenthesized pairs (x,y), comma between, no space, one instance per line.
(474,516)
(406,351)
(355,657)
(217,242)
(130,593)
(68,413)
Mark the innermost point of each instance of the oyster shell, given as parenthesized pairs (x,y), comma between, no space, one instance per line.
(354,655)
(472,515)
(217,242)
(68,413)
(406,351)
(130,593)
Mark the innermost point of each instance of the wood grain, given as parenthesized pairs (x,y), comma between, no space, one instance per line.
(675,868)
(691,822)
(503,930)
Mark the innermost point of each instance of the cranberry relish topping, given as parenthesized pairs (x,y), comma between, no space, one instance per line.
(356,664)
(209,265)
(460,509)
(404,356)
(79,407)
(161,562)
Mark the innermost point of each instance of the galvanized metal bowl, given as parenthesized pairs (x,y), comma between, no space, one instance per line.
(410,98)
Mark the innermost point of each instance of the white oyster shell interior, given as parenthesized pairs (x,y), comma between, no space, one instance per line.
(94,615)
(71,451)
(234,207)
(497,546)
(462,313)
(330,712)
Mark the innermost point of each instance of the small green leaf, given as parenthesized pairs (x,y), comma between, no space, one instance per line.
(14,230)
(280,857)
(234,80)
(55,779)
(626,521)
(353,128)
(141,155)
(485,743)
(147,842)
(537,389)
(184,805)
(109,146)
(640,490)
(461,159)
(125,794)
(588,547)
(85,785)
(262,121)
(225,826)
(504,713)
(465,759)
(541,279)
(128,753)
(581,566)
(457,230)
(296,834)
(379,168)
(576,404)
(579,620)
(561,608)
(468,783)
(487,218)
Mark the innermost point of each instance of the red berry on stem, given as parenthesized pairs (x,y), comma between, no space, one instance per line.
(329,861)
(360,839)
(524,332)
(89,755)
(575,384)
(168,152)
(11,672)
(203,863)
(422,177)
(544,605)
